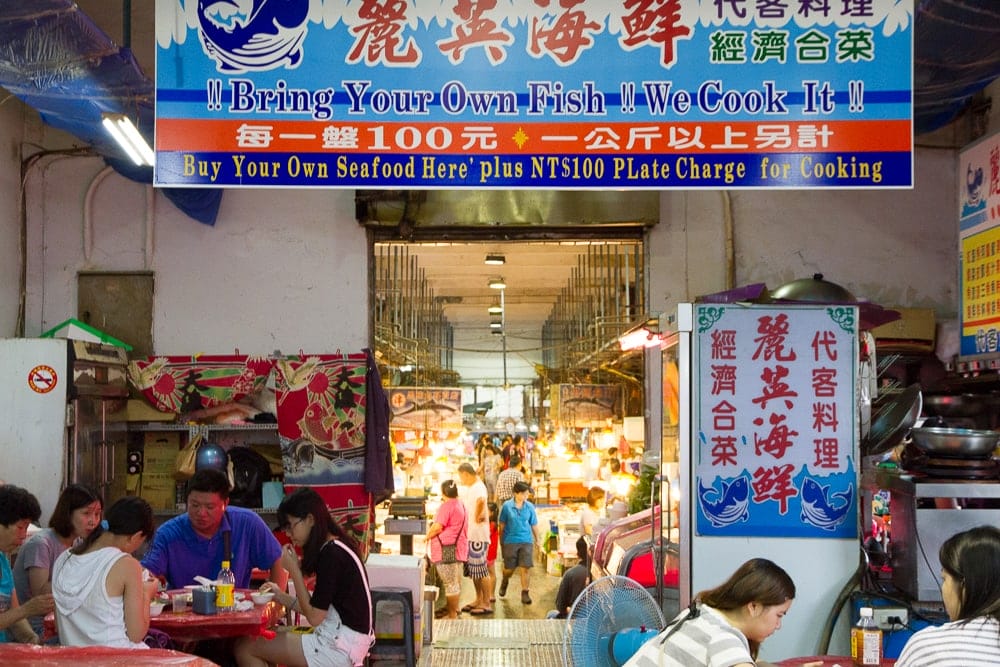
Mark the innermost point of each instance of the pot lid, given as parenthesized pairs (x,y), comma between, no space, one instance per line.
(813,290)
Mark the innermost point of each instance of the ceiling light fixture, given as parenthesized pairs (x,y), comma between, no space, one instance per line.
(497,332)
(497,283)
(496,325)
(121,129)
(495,259)
(495,309)
(645,334)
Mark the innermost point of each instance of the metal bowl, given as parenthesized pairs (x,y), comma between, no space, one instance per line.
(955,441)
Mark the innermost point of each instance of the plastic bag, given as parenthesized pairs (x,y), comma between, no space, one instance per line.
(186,459)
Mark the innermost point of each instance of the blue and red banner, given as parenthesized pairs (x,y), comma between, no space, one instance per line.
(635,94)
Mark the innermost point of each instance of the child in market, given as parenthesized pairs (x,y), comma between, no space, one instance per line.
(491,552)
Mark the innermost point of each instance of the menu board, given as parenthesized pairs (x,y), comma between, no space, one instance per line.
(979,240)
(774,419)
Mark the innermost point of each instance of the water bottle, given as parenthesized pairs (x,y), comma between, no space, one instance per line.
(225,587)
(866,640)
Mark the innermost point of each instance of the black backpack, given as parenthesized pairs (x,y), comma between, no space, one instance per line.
(250,471)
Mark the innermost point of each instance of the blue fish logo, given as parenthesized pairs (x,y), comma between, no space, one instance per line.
(818,508)
(253,35)
(728,506)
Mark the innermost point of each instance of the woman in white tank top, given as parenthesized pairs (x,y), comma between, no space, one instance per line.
(99,589)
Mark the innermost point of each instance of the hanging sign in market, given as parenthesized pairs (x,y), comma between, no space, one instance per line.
(979,240)
(774,418)
(564,94)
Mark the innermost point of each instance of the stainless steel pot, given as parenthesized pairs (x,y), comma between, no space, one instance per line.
(955,441)
(813,290)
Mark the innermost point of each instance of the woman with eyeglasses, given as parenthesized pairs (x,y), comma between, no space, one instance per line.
(102,597)
(970,589)
(339,609)
(726,624)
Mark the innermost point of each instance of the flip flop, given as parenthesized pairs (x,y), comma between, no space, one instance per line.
(476,611)
(468,607)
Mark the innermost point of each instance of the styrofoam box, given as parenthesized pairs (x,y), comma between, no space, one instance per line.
(403,571)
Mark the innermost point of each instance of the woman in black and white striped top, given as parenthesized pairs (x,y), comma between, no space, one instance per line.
(970,588)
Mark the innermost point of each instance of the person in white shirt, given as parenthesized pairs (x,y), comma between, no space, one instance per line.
(970,589)
(102,597)
(591,514)
(473,494)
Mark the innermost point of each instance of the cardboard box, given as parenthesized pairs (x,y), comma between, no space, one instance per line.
(159,490)
(917,326)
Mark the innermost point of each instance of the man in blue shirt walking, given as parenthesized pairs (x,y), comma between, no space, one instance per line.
(517,539)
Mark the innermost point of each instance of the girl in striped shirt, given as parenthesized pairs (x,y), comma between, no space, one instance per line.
(970,588)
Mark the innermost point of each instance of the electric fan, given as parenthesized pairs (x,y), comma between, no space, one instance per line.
(610,620)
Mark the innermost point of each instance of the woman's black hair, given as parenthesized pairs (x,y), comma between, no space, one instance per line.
(972,558)
(17,504)
(449,489)
(299,504)
(757,580)
(127,516)
(71,499)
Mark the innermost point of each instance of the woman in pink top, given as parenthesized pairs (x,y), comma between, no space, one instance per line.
(448,529)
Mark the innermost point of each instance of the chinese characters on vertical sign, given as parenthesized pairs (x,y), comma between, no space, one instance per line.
(775,421)
(534,93)
(979,237)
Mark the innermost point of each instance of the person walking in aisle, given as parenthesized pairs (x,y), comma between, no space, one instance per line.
(472,493)
(517,539)
(507,479)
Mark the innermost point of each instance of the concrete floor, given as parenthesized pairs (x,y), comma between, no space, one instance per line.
(543,589)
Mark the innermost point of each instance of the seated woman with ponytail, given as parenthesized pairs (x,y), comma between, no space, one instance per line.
(100,593)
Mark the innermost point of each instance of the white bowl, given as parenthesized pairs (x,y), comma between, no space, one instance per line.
(261,598)
(155,608)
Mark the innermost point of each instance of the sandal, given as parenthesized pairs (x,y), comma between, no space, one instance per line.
(441,613)
(477,611)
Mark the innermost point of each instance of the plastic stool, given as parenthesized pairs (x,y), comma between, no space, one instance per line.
(404,597)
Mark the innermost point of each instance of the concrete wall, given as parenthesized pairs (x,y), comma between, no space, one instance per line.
(892,247)
(278,271)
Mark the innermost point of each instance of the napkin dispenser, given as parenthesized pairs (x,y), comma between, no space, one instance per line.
(203,600)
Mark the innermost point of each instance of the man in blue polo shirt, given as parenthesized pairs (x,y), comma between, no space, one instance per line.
(192,544)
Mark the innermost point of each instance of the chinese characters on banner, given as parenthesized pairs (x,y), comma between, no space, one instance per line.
(979,238)
(775,421)
(534,93)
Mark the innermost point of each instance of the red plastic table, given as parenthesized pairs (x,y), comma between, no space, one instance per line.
(825,661)
(26,655)
(191,627)
(188,626)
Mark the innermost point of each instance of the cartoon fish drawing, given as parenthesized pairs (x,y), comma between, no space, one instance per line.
(731,504)
(818,508)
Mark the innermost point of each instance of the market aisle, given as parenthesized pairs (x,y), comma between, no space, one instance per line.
(543,596)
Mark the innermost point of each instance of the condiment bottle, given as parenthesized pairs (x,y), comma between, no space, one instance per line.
(225,587)
(866,640)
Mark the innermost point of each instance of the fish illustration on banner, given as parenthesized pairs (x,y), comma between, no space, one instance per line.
(824,509)
(258,35)
(727,506)
(321,418)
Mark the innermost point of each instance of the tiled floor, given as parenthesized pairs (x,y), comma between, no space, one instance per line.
(515,635)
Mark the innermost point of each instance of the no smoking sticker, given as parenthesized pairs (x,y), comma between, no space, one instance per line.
(42,379)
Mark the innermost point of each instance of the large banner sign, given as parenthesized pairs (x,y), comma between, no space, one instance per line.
(979,238)
(775,421)
(567,94)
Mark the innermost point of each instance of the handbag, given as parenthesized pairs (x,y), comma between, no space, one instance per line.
(185,463)
(448,553)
